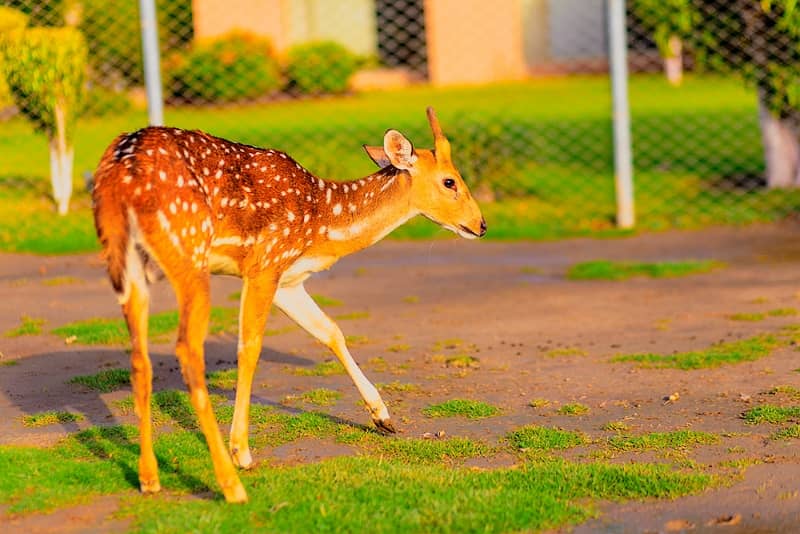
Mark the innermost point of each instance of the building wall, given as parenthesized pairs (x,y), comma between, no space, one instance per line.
(474,41)
(577,29)
(289,22)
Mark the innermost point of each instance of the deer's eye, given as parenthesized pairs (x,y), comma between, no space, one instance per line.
(449,183)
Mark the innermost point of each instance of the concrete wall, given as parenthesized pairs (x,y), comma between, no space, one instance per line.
(577,29)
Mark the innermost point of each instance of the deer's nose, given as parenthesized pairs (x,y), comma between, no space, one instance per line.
(483,227)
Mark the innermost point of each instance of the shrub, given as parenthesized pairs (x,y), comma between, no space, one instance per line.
(45,69)
(320,67)
(101,101)
(234,68)
(10,19)
(114,36)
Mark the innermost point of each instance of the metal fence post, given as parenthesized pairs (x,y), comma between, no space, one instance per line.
(623,153)
(152,62)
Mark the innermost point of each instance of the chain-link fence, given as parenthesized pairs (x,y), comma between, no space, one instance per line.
(521,87)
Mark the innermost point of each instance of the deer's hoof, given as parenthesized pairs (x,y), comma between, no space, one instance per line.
(385,426)
(242,458)
(235,493)
(149,486)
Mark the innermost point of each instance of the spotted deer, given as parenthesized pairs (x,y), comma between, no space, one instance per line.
(196,205)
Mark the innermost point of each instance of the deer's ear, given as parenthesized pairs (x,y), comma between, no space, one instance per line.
(399,150)
(378,155)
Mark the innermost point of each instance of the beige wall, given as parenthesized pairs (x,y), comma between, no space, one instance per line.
(474,41)
(289,22)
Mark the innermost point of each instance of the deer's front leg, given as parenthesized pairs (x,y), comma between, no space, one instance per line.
(257,294)
(297,304)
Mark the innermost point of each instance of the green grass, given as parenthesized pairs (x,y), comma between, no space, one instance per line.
(28,327)
(397,387)
(352,316)
(160,326)
(677,440)
(540,438)
(104,381)
(318,397)
(616,426)
(785,389)
(173,407)
(563,352)
(322,300)
(750,317)
(745,350)
(398,493)
(574,409)
(610,270)
(461,408)
(539,403)
(61,281)
(462,361)
(328,368)
(51,417)
(222,378)
(678,184)
(768,413)
(790,432)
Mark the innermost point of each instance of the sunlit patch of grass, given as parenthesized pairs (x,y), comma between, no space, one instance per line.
(222,379)
(432,450)
(397,387)
(160,326)
(539,403)
(352,316)
(679,439)
(787,390)
(769,413)
(610,270)
(174,407)
(411,299)
(565,352)
(322,300)
(616,426)
(451,343)
(461,408)
(61,281)
(51,417)
(782,312)
(462,361)
(540,438)
(29,326)
(790,432)
(356,339)
(751,317)
(575,408)
(318,397)
(400,347)
(104,381)
(744,350)
(326,368)
(378,363)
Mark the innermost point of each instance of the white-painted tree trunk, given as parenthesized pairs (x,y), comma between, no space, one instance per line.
(673,62)
(61,158)
(781,150)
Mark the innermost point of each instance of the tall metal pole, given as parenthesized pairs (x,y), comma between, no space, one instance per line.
(623,153)
(152,62)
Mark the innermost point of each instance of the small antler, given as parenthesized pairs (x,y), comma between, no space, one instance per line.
(440,141)
(437,129)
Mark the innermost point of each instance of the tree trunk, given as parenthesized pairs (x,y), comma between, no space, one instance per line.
(781,150)
(61,158)
(673,62)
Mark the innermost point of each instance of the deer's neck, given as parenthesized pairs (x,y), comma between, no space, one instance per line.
(364,211)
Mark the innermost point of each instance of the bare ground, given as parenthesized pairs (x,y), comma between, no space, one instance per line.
(508,304)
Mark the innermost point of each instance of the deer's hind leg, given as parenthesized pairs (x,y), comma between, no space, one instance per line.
(136,310)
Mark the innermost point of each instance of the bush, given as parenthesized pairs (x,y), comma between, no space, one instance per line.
(114,36)
(321,67)
(101,101)
(10,19)
(233,68)
(45,69)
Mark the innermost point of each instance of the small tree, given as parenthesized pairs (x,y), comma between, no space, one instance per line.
(45,69)
(671,22)
(10,20)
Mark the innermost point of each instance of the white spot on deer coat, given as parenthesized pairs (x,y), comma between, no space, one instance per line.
(337,209)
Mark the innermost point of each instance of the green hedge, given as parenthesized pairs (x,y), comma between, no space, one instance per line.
(320,67)
(10,20)
(232,68)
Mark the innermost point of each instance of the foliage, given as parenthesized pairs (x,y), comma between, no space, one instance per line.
(29,326)
(542,438)
(104,381)
(233,68)
(666,19)
(51,417)
(461,408)
(679,439)
(320,67)
(11,19)
(769,413)
(45,70)
(114,35)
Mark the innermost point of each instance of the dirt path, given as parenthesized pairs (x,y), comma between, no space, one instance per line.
(509,305)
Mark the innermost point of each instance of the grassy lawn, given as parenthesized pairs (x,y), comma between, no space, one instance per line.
(609,270)
(545,143)
(393,484)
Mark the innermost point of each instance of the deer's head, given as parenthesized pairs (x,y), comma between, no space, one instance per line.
(437,189)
